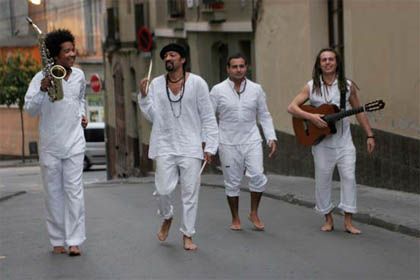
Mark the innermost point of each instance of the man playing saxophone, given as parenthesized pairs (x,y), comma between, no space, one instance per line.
(62,144)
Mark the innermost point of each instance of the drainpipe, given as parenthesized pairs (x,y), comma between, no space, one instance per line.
(12,18)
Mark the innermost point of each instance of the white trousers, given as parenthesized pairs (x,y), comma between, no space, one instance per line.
(65,210)
(325,160)
(235,160)
(169,170)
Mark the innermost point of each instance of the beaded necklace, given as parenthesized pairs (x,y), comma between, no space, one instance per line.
(172,101)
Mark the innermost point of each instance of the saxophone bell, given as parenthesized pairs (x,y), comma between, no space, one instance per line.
(57,73)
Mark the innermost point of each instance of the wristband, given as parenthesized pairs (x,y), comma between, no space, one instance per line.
(370,136)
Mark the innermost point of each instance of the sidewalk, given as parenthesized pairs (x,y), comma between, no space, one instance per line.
(393,210)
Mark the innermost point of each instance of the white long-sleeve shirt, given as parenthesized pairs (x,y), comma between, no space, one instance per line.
(177,130)
(238,113)
(60,130)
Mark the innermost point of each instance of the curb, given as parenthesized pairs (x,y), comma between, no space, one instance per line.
(19,165)
(364,218)
(6,197)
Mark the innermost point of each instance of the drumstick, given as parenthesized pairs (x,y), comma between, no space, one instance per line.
(202,168)
(148,76)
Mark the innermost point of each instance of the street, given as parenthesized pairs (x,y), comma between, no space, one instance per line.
(121,239)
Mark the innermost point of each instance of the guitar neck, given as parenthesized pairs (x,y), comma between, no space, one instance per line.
(340,115)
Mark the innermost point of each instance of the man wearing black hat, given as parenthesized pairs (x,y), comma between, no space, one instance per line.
(179,106)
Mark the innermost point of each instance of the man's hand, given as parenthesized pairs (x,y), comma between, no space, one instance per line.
(370,145)
(84,122)
(208,157)
(273,148)
(143,85)
(45,84)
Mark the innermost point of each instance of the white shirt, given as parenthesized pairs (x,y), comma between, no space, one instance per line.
(60,129)
(238,113)
(176,129)
(343,135)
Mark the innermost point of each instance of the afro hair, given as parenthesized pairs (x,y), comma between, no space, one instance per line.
(55,38)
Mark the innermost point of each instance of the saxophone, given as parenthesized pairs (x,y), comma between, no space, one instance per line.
(56,72)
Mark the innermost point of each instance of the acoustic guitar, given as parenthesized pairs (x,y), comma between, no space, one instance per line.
(308,134)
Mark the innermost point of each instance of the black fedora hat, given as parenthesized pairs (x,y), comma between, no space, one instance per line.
(174,48)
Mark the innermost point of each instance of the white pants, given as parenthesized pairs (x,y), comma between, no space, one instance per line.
(65,210)
(325,160)
(170,169)
(235,160)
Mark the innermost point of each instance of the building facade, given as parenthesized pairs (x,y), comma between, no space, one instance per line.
(281,39)
(85,20)
(209,30)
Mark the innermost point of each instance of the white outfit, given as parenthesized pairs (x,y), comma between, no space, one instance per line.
(175,142)
(240,146)
(334,150)
(62,147)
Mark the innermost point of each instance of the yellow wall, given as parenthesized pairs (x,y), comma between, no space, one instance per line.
(10,131)
(382,46)
(287,38)
(382,55)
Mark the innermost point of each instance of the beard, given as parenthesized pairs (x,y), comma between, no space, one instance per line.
(169,66)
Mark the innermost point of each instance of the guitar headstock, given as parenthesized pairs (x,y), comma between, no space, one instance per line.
(374,105)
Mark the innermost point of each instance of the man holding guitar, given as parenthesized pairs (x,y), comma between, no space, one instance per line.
(329,86)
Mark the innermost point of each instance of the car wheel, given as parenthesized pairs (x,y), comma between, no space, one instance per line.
(86,164)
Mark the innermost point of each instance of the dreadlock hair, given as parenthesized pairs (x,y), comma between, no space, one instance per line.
(55,38)
(317,72)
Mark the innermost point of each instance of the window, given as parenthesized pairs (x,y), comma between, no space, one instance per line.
(176,8)
(213,4)
(112,24)
(139,15)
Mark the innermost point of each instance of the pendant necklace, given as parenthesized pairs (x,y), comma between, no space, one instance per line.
(173,101)
(240,91)
(326,92)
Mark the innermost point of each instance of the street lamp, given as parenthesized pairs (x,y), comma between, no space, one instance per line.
(35,2)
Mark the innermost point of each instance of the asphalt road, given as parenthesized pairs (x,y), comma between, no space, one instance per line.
(122,225)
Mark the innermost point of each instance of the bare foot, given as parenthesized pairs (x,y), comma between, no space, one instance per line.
(327,227)
(351,229)
(188,244)
(59,250)
(235,227)
(255,220)
(236,224)
(164,230)
(74,251)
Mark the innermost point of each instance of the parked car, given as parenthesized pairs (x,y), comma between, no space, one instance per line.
(95,145)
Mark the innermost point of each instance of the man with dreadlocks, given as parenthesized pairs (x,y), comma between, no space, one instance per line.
(62,145)
(179,107)
(329,86)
